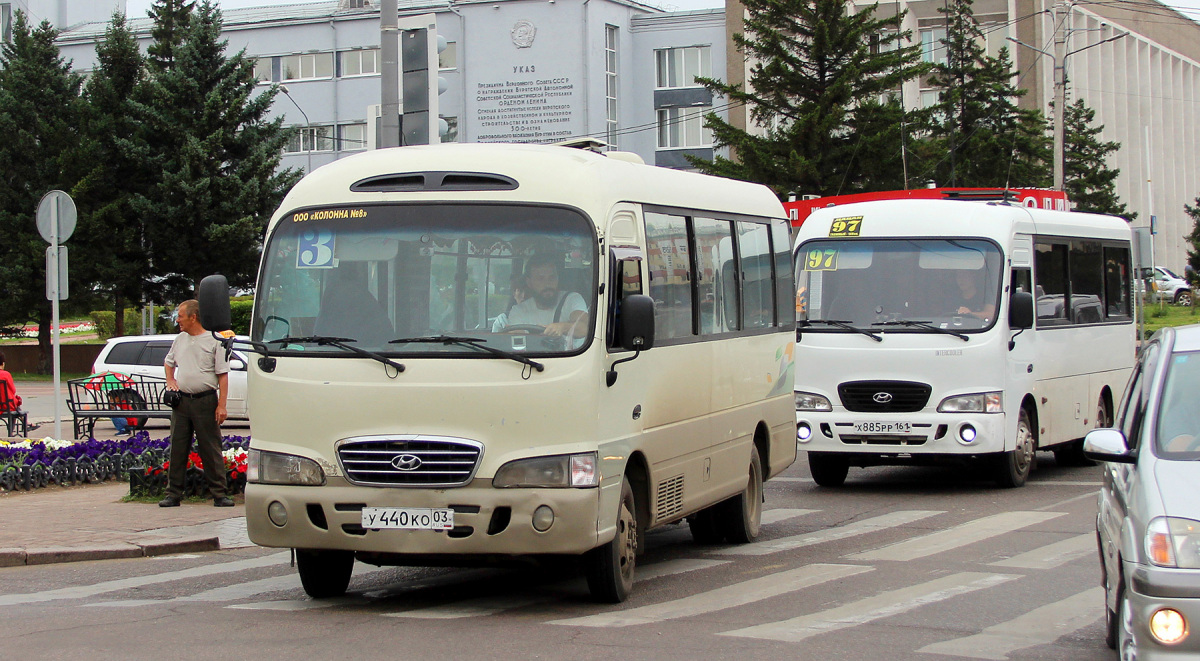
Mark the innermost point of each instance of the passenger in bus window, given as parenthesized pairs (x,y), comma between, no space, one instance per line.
(971,300)
(518,297)
(559,312)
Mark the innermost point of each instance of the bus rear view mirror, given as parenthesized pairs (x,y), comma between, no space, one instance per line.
(213,296)
(1020,310)
(637,323)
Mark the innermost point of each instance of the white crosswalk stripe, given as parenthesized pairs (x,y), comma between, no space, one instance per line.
(1037,627)
(782,514)
(874,524)
(729,596)
(872,608)
(958,536)
(1052,555)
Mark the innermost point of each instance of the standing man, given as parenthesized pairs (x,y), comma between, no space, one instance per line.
(197,368)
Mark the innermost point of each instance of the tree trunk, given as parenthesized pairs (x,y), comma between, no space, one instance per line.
(46,357)
(119,311)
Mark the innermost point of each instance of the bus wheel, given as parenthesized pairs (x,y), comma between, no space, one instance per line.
(828,470)
(740,517)
(703,525)
(324,574)
(1013,467)
(610,567)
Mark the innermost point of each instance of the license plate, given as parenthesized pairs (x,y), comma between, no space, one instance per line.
(883,427)
(407,518)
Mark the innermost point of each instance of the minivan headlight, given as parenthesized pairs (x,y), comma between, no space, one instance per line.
(980,402)
(558,471)
(1173,542)
(277,468)
(808,401)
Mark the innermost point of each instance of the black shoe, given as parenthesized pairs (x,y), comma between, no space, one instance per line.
(223,501)
(169,501)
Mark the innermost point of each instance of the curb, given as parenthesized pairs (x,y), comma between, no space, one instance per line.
(16,557)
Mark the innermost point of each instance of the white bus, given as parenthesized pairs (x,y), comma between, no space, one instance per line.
(939,331)
(475,352)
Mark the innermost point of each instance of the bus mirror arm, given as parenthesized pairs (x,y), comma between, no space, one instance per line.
(610,377)
(1012,341)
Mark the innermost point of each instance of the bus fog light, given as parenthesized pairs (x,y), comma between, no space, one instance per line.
(277,513)
(543,518)
(803,432)
(967,433)
(1168,626)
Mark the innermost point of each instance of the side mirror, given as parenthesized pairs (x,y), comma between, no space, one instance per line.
(636,332)
(213,296)
(237,365)
(1108,445)
(1020,310)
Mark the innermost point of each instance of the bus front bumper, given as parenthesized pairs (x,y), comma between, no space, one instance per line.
(487,521)
(904,435)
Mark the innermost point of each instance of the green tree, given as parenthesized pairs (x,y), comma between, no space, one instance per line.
(815,85)
(171,18)
(216,160)
(980,137)
(109,228)
(1088,180)
(39,119)
(1193,253)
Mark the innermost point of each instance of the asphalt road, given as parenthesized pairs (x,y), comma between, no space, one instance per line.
(902,563)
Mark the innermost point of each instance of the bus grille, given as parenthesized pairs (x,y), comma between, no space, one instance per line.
(412,461)
(884,396)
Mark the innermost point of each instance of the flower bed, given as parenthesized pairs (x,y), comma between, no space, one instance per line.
(37,463)
(152,480)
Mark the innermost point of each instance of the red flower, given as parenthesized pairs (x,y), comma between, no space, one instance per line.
(233,474)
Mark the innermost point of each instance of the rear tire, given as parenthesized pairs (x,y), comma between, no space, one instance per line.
(325,574)
(828,470)
(1183,297)
(740,517)
(1013,467)
(703,525)
(610,567)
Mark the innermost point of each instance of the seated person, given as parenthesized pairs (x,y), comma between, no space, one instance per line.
(561,313)
(971,299)
(14,400)
(349,310)
(518,297)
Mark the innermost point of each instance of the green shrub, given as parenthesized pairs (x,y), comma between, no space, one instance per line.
(106,322)
(239,315)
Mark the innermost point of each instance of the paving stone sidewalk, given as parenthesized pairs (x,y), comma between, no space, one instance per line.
(89,522)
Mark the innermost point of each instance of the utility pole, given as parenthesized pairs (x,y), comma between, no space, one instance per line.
(1060,90)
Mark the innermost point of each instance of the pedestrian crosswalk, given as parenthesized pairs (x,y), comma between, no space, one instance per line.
(850,587)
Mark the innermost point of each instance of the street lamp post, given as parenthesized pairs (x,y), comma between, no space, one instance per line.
(307,126)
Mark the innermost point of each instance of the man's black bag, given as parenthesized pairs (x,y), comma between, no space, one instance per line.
(172,398)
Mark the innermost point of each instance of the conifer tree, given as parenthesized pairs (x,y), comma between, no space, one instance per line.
(109,228)
(215,157)
(171,18)
(39,119)
(1193,253)
(815,83)
(1088,180)
(980,137)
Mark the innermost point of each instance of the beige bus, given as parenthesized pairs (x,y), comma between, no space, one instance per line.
(475,352)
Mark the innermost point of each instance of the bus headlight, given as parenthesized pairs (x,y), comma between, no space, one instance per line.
(276,468)
(807,401)
(980,402)
(1173,542)
(558,471)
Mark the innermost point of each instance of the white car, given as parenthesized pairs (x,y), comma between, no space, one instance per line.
(144,354)
(1170,287)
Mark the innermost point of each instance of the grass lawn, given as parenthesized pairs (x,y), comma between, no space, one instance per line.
(48,378)
(1169,315)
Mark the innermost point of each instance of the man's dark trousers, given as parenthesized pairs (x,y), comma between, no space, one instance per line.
(196,415)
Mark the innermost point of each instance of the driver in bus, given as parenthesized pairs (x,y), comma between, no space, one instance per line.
(971,300)
(559,312)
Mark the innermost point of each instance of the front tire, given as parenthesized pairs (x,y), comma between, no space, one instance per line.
(1013,467)
(1126,639)
(324,574)
(740,517)
(1184,297)
(828,470)
(610,567)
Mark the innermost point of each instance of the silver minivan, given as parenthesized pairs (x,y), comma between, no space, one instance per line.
(1148,526)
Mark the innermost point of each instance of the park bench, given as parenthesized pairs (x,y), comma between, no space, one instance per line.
(14,417)
(134,396)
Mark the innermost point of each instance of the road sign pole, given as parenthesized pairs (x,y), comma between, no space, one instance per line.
(56,217)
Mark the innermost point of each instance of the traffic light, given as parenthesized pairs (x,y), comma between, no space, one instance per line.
(419,49)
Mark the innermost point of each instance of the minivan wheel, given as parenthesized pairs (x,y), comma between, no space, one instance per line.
(1183,297)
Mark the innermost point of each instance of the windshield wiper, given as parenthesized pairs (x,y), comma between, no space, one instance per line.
(912,323)
(471,342)
(341,343)
(844,325)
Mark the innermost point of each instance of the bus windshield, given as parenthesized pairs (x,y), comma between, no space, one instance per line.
(885,284)
(428,279)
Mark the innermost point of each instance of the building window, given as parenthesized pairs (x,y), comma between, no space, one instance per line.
(451,129)
(932,48)
(610,85)
(448,58)
(679,67)
(884,42)
(354,4)
(307,66)
(262,69)
(352,137)
(362,62)
(6,22)
(683,127)
(310,138)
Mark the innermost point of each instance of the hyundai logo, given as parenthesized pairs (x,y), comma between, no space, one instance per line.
(406,462)
(879,397)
